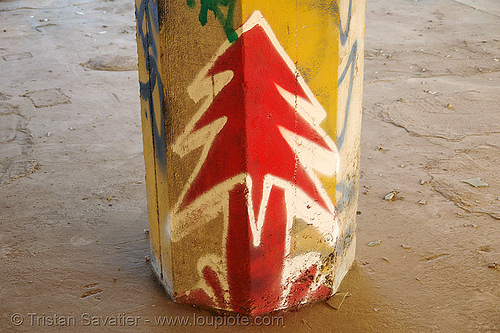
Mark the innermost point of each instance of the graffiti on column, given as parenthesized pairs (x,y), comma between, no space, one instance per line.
(262,146)
(346,189)
(226,21)
(153,129)
(152,90)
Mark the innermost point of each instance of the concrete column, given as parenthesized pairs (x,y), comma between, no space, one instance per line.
(251,113)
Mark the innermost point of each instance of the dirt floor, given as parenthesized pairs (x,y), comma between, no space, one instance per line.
(72,192)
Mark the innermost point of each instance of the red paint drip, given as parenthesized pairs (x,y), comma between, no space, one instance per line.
(238,250)
(196,297)
(213,281)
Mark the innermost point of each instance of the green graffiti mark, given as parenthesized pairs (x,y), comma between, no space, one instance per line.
(214,6)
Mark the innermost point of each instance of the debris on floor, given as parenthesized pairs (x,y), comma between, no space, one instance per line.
(393,196)
(435,256)
(377,242)
(305,323)
(476,182)
(337,300)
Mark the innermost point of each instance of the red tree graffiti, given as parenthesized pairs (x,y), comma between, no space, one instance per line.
(257,115)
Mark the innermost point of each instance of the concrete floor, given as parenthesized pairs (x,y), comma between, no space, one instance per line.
(72,192)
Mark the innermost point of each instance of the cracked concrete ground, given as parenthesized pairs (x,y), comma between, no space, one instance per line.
(72,192)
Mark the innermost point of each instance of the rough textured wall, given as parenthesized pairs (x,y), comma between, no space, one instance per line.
(251,115)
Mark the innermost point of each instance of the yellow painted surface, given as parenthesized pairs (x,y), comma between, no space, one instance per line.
(149,153)
(308,31)
(161,173)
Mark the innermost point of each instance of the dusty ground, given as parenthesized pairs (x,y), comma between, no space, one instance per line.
(72,193)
